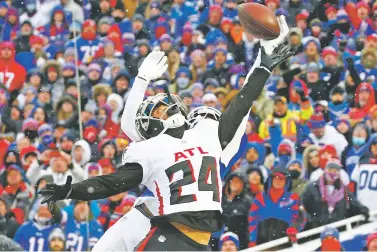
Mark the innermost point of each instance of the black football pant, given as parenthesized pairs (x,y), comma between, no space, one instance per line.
(168,238)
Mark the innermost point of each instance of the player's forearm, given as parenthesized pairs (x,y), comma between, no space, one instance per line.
(127,177)
(135,98)
(239,107)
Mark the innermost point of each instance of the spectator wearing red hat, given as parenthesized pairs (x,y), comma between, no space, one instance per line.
(302,21)
(273,5)
(326,153)
(364,101)
(13,74)
(28,155)
(57,31)
(329,200)
(330,12)
(371,242)
(107,166)
(359,16)
(87,42)
(322,134)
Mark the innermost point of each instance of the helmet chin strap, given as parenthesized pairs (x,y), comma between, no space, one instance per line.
(172,122)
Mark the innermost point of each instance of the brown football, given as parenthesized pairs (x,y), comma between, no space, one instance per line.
(259,21)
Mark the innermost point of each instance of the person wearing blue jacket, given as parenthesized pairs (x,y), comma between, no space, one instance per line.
(357,147)
(338,104)
(274,212)
(254,156)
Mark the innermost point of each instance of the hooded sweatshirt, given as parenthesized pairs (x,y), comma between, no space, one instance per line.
(14,73)
(86,152)
(358,113)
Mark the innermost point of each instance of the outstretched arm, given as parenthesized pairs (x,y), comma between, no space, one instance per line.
(235,115)
(125,178)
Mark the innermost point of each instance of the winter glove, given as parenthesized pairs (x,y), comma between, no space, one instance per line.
(365,213)
(291,233)
(53,192)
(270,45)
(153,66)
(350,63)
(301,93)
(280,54)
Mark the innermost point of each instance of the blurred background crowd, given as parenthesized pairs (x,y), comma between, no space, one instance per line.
(66,67)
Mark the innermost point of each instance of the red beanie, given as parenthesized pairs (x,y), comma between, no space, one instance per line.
(284,147)
(329,149)
(362,4)
(329,50)
(371,237)
(304,14)
(331,9)
(275,1)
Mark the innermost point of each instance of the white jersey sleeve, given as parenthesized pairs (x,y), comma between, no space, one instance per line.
(135,154)
(135,98)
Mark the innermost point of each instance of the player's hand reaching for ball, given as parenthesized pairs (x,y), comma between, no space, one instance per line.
(153,66)
(53,192)
(280,54)
(270,45)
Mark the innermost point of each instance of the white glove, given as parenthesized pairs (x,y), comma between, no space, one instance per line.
(153,66)
(270,45)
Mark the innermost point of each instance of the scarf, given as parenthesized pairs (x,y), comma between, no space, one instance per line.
(373,160)
(332,199)
(276,194)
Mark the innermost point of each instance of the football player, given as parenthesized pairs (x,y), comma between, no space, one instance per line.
(179,165)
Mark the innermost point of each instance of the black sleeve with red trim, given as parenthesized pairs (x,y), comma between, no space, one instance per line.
(241,104)
(125,178)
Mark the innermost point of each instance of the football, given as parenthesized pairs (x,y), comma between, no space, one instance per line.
(259,21)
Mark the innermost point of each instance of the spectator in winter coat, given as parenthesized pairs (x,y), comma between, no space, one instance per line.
(257,177)
(220,69)
(22,41)
(364,100)
(18,192)
(60,167)
(77,225)
(81,153)
(359,144)
(326,153)
(236,203)
(113,208)
(115,102)
(229,242)
(14,73)
(329,200)
(57,31)
(12,119)
(33,235)
(322,134)
(367,70)
(121,84)
(338,104)
(299,98)
(7,215)
(294,7)
(254,156)
(297,172)
(275,210)
(363,172)
(283,118)
(330,240)
(311,159)
(56,240)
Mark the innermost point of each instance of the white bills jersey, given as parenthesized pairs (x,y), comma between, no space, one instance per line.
(183,174)
(365,175)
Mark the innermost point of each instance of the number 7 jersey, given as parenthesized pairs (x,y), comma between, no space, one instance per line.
(183,174)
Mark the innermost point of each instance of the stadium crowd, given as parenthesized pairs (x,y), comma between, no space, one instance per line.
(311,155)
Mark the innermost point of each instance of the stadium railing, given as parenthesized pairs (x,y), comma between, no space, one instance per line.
(315,231)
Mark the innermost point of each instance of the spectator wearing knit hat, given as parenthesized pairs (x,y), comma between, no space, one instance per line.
(364,101)
(330,240)
(371,242)
(329,189)
(322,134)
(56,240)
(229,242)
